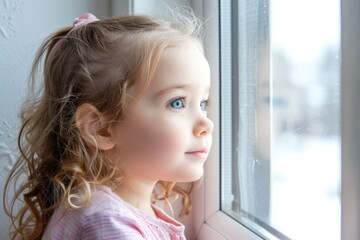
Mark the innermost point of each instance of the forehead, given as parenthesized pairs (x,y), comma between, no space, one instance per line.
(184,64)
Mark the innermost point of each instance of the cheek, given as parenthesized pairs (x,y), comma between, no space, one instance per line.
(157,138)
(165,139)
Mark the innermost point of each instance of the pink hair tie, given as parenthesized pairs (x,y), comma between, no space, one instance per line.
(84,19)
(80,21)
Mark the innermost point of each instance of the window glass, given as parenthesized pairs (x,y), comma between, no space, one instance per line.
(280,103)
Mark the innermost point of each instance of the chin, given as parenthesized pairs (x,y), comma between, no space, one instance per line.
(194,176)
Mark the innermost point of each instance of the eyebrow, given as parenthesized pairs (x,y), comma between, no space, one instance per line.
(175,87)
(171,88)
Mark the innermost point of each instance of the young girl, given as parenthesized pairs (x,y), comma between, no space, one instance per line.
(122,109)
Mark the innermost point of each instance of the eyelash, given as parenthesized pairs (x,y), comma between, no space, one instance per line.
(206,102)
(182,99)
(183,102)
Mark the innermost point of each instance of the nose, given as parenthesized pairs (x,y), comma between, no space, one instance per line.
(204,126)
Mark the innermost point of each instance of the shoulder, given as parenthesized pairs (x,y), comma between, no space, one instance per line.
(105,217)
(109,225)
(113,218)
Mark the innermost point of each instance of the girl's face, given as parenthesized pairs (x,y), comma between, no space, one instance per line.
(166,134)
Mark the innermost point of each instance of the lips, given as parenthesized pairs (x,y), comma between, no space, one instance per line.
(201,153)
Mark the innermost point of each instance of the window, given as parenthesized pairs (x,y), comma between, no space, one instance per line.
(279,125)
(280,120)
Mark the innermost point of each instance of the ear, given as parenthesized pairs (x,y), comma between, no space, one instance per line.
(93,127)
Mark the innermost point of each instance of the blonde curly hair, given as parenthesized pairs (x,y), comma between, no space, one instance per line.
(97,64)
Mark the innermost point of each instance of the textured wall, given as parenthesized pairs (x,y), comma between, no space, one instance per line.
(24,24)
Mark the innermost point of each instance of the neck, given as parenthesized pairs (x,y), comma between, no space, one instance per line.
(137,192)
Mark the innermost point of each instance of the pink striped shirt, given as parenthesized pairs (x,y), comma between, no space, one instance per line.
(109,217)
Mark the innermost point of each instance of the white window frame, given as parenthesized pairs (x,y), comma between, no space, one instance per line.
(350,119)
(209,221)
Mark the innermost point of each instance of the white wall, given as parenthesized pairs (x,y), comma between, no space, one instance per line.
(24,24)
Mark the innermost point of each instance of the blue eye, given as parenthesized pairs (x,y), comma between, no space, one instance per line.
(177,104)
(203,106)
